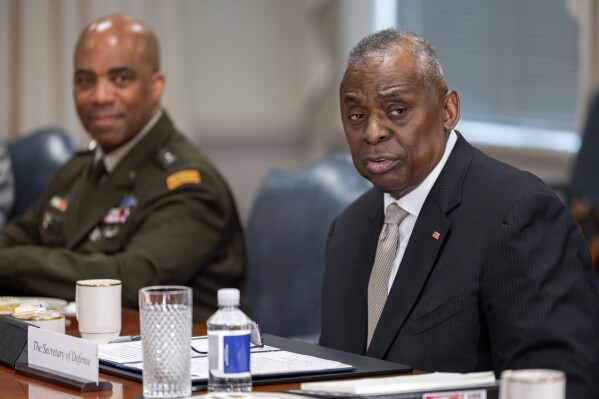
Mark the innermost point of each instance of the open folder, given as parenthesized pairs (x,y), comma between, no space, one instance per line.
(264,360)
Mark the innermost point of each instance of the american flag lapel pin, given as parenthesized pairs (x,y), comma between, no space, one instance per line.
(436,235)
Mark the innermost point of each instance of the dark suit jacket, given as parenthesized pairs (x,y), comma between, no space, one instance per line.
(149,223)
(507,283)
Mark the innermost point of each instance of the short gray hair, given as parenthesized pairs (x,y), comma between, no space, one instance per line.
(382,43)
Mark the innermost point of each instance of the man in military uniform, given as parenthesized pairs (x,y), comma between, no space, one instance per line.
(145,206)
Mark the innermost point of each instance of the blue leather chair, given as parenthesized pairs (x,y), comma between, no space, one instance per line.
(35,158)
(286,238)
(582,192)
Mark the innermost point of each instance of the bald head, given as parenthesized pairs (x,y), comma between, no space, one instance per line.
(117,83)
(123,28)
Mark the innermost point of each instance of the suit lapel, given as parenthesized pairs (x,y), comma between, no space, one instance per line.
(365,251)
(415,267)
(426,240)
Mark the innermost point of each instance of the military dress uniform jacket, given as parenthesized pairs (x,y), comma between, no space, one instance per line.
(163,216)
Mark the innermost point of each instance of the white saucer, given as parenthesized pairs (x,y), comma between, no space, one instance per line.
(48,303)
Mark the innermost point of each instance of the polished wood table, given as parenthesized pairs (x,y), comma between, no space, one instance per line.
(16,386)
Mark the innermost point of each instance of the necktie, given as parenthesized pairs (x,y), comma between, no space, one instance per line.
(89,186)
(98,171)
(383,262)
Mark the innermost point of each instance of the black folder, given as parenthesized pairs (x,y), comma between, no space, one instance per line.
(364,366)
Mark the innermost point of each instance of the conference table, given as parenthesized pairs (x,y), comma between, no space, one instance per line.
(17,386)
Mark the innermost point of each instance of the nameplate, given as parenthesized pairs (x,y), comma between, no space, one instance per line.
(70,355)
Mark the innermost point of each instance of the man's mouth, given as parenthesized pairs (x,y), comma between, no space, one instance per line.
(380,165)
(103,121)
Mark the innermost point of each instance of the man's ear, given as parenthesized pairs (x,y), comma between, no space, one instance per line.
(158,81)
(451,110)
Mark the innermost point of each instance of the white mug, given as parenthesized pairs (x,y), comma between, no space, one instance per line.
(99,309)
(532,384)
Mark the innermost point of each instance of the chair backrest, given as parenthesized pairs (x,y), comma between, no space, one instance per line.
(35,158)
(582,192)
(584,179)
(286,238)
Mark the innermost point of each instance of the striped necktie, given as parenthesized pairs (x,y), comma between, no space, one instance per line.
(383,263)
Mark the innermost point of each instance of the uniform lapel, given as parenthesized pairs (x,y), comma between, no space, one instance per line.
(71,217)
(117,184)
(426,240)
(105,197)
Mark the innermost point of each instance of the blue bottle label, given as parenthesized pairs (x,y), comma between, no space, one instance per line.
(236,353)
(229,351)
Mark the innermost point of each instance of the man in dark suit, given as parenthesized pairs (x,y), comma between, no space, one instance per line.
(488,270)
(145,206)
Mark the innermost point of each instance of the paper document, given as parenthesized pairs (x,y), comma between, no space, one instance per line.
(264,361)
(132,352)
(373,386)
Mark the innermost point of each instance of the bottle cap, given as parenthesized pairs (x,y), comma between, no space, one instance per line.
(228,297)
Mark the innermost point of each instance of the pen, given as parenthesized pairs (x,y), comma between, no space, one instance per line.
(126,338)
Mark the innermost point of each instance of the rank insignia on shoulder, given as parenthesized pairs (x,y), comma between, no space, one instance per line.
(166,157)
(59,203)
(182,177)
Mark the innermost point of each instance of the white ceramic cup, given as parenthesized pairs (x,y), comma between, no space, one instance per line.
(99,309)
(532,384)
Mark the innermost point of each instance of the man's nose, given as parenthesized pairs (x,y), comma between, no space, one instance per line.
(376,131)
(103,92)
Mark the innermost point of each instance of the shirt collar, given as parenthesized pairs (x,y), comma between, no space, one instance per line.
(413,201)
(112,159)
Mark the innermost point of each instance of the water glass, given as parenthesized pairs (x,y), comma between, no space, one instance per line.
(165,314)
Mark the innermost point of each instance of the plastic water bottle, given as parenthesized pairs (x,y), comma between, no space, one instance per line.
(229,345)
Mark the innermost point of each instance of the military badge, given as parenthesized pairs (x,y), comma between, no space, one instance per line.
(110,231)
(52,223)
(59,203)
(183,177)
(95,235)
(166,157)
(128,201)
(116,216)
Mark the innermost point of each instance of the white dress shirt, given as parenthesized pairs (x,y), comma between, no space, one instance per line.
(412,202)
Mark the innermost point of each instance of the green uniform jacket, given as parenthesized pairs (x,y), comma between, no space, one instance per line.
(163,216)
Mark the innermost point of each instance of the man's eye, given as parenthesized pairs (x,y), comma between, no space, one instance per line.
(83,81)
(356,117)
(397,111)
(122,80)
